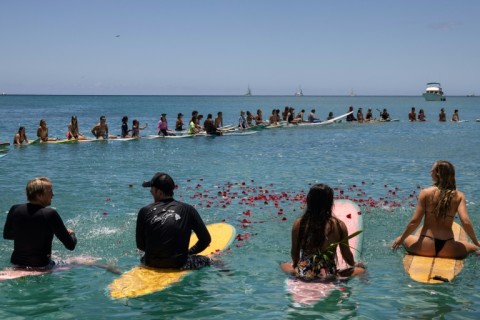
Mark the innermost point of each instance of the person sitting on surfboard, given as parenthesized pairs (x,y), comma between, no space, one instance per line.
(437,206)
(32,226)
(369,115)
(136,128)
(442,116)
(209,126)
(164,228)
(315,237)
(73,132)
(455,116)
(100,130)
(219,120)
(179,122)
(162,126)
(351,117)
(42,132)
(20,136)
(312,117)
(258,118)
(124,129)
(384,115)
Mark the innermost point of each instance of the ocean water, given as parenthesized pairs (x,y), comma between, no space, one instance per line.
(253,182)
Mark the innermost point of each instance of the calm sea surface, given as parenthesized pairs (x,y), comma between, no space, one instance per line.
(98,193)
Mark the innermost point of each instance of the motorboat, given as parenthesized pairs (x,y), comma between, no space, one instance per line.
(434,92)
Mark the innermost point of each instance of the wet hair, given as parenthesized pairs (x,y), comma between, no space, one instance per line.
(124,119)
(36,187)
(445,173)
(20,129)
(318,213)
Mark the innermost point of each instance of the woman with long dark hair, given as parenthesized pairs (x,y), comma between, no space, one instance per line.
(315,237)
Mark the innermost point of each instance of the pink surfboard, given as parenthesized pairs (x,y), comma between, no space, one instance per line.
(303,292)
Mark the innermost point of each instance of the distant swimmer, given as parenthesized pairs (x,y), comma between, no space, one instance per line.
(179,123)
(351,117)
(384,115)
(162,125)
(412,115)
(242,120)
(100,130)
(360,115)
(421,115)
(209,126)
(442,116)
(20,136)
(219,120)
(455,116)
(73,131)
(42,132)
(259,117)
(136,128)
(369,115)
(312,117)
(124,129)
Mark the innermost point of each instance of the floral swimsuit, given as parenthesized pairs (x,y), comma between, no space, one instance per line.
(315,267)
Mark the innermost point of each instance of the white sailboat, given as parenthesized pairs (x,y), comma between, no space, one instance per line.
(249,92)
(299,92)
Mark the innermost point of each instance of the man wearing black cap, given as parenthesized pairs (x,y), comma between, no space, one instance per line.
(164,228)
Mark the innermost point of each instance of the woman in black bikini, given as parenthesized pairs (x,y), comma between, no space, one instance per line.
(437,206)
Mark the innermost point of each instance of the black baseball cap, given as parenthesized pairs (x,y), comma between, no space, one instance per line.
(161,181)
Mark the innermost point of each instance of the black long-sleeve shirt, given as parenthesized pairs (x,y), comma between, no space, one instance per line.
(32,228)
(163,232)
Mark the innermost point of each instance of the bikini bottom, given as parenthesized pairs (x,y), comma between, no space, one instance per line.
(439,243)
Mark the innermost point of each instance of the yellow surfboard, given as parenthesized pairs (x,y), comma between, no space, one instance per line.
(435,270)
(142,280)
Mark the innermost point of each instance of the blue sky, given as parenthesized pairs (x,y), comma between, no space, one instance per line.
(221,47)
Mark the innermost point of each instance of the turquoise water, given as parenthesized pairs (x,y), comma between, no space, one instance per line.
(98,193)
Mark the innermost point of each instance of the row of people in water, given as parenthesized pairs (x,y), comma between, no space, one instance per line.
(442,116)
(214,126)
(100,130)
(412,115)
(194,126)
(315,235)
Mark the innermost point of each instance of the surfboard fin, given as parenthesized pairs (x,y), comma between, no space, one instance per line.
(440,278)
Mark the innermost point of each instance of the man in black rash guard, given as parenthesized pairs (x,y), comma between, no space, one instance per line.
(164,228)
(32,226)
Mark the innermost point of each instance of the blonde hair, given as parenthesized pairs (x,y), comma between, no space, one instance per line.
(445,173)
(37,187)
